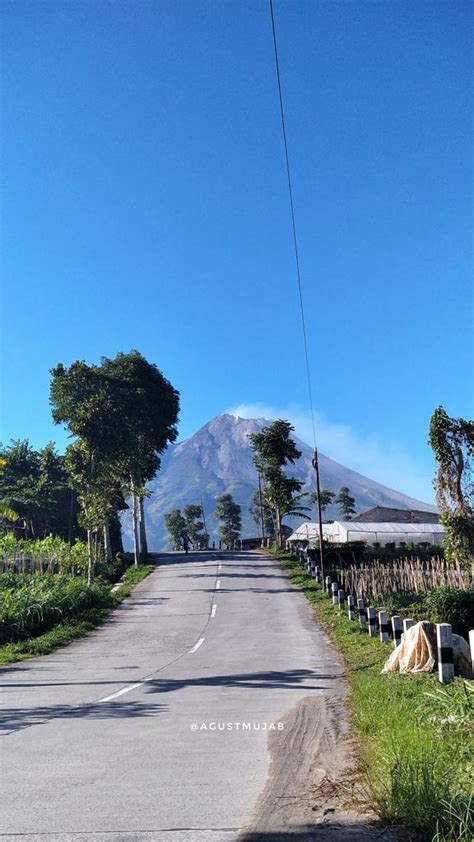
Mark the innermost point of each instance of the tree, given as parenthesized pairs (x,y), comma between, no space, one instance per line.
(256,513)
(228,512)
(34,485)
(452,440)
(175,524)
(327,498)
(273,449)
(194,525)
(346,503)
(125,412)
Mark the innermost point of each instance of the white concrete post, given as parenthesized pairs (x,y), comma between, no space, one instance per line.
(362,612)
(471,644)
(341,597)
(328,585)
(383,626)
(350,608)
(334,588)
(397,630)
(408,623)
(372,622)
(444,639)
(317,573)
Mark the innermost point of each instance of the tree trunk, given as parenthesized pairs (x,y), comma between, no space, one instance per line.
(143,539)
(278,527)
(90,550)
(136,545)
(107,545)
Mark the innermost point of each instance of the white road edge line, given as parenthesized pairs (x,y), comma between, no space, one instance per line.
(196,646)
(218,584)
(214,609)
(121,692)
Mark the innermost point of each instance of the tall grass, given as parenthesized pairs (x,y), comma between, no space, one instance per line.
(50,554)
(416,737)
(30,605)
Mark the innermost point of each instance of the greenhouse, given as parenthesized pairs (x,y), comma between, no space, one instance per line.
(342,532)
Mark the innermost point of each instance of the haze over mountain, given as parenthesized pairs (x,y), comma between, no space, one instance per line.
(217,459)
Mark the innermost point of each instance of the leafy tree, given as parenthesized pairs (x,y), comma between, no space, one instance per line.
(194,525)
(175,524)
(125,412)
(452,440)
(273,449)
(256,512)
(327,498)
(228,513)
(346,503)
(34,485)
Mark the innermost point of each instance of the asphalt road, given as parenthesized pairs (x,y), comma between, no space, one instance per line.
(161,725)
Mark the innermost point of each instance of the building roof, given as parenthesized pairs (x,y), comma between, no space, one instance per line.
(384,514)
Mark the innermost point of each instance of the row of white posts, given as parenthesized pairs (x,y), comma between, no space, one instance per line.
(377,622)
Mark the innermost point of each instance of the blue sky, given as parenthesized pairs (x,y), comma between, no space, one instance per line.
(145,206)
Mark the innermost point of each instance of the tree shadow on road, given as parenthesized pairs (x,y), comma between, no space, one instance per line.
(271,680)
(323,832)
(16,719)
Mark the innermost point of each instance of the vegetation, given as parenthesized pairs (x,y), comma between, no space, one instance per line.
(228,513)
(175,525)
(123,414)
(326,499)
(346,503)
(417,758)
(452,440)
(39,613)
(43,554)
(273,449)
(35,494)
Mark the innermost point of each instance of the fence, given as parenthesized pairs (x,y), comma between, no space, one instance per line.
(29,564)
(377,622)
(407,574)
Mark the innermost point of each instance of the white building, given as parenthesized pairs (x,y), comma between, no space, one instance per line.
(341,532)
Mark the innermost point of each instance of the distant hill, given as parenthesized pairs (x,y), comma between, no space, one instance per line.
(217,459)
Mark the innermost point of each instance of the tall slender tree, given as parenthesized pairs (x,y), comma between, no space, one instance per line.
(228,513)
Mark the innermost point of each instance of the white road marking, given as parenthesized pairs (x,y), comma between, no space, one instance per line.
(214,609)
(218,584)
(220,567)
(196,646)
(121,692)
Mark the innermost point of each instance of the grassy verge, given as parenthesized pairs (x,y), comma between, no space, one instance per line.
(63,633)
(417,748)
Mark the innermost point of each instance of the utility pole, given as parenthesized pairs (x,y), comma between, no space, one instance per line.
(315,465)
(262,522)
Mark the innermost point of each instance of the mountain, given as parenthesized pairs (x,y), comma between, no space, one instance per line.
(217,459)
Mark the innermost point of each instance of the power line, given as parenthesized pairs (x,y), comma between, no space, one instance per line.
(315,461)
(293,222)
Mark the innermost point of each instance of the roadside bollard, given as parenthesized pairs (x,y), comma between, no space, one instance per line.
(328,585)
(341,598)
(383,626)
(317,573)
(397,630)
(471,644)
(350,607)
(372,622)
(408,623)
(334,588)
(362,612)
(444,639)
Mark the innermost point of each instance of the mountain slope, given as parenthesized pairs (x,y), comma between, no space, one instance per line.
(217,459)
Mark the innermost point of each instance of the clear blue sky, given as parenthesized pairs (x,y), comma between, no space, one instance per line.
(145,206)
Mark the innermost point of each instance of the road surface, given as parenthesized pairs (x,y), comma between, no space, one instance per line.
(208,707)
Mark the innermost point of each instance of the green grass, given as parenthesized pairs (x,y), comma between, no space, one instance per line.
(71,628)
(418,762)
